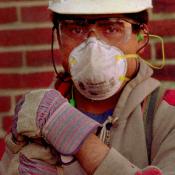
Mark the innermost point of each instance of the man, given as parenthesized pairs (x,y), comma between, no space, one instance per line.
(104,79)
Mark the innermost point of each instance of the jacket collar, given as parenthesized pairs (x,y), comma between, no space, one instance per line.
(135,91)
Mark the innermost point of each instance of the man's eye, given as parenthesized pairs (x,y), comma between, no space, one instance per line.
(77,30)
(114,29)
(111,30)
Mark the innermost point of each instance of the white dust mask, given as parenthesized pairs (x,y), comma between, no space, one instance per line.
(95,69)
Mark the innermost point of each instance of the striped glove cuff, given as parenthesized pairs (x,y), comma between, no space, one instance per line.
(35,167)
(67,128)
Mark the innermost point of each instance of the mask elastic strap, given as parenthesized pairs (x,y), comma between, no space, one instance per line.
(128,56)
(163,53)
(72,61)
(136,56)
(145,29)
(52,52)
(123,78)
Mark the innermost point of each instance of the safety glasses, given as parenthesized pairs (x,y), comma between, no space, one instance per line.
(104,28)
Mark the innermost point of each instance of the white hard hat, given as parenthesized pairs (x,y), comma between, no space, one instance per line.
(98,6)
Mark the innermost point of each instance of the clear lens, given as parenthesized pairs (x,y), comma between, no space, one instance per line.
(105,28)
(74,28)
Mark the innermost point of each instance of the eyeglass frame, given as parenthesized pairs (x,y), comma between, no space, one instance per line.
(136,26)
(91,20)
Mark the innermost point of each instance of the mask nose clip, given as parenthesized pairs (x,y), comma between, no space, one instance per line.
(92,33)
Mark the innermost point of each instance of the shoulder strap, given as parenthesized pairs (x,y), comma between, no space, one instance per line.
(152,101)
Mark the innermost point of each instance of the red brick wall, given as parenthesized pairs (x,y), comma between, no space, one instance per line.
(25,61)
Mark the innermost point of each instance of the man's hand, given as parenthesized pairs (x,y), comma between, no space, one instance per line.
(46,113)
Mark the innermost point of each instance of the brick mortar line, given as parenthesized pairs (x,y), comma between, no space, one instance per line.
(2,131)
(151,47)
(14,92)
(30,70)
(153,52)
(6,114)
(47,46)
(23,4)
(2,116)
(168,82)
(165,39)
(153,15)
(27,70)
(25,48)
(149,11)
(28,48)
(17,92)
(1,122)
(18,15)
(168,62)
(24,61)
(158,62)
(23,25)
(12,104)
(162,16)
(169,39)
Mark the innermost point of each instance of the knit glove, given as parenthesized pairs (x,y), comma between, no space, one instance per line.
(31,159)
(47,114)
(19,139)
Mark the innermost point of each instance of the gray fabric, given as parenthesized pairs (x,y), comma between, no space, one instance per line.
(129,153)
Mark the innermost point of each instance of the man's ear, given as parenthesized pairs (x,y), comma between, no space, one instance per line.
(142,38)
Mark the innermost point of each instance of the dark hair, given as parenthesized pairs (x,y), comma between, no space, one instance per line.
(139,17)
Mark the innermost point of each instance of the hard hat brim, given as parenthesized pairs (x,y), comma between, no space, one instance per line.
(88,7)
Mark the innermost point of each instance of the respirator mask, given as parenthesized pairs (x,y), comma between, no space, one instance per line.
(96,71)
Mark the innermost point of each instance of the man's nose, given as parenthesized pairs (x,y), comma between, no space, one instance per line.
(92,33)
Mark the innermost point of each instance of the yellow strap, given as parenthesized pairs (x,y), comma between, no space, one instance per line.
(163,53)
(119,57)
(72,61)
(136,56)
(123,78)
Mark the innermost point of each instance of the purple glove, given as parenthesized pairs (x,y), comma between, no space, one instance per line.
(47,114)
(35,167)
(18,139)
(31,159)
